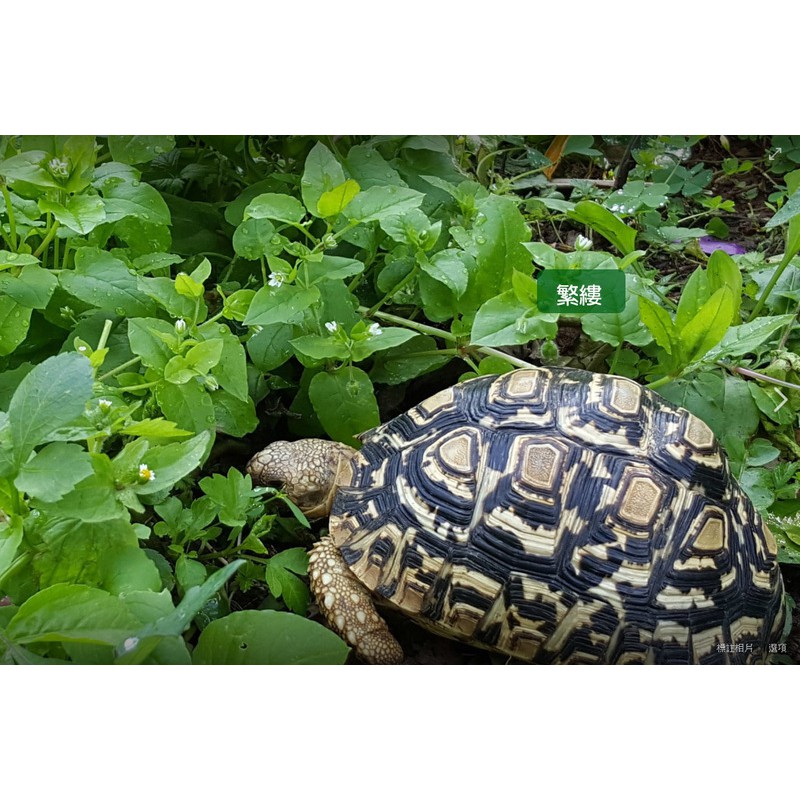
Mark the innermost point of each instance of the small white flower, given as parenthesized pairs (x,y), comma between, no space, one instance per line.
(146,473)
(58,167)
(276,279)
(104,404)
(332,326)
(180,326)
(582,242)
(630,211)
(375,329)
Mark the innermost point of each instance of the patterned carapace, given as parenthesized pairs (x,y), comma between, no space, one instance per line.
(562,516)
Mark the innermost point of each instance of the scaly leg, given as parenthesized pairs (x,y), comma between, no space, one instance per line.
(348,606)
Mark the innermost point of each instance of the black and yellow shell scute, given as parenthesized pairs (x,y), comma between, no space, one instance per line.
(562,516)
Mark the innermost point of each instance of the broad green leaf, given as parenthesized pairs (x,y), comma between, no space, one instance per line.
(93,499)
(626,326)
(498,245)
(746,338)
(708,326)
(155,429)
(281,576)
(15,321)
(234,211)
(127,569)
(139,646)
(271,346)
(546,256)
(320,347)
(413,228)
(367,166)
(32,288)
(204,355)
(103,281)
(152,349)
(27,167)
(793,230)
(51,395)
(163,291)
(231,369)
(694,295)
(789,210)
(606,224)
(724,404)
(447,267)
(81,213)
(72,613)
(149,607)
(321,174)
(345,403)
(189,572)
(333,202)
(188,405)
(268,637)
(760,452)
(438,301)
(135,200)
(504,320)
(234,416)
(407,361)
(188,287)
(280,304)
(379,202)
(139,149)
(333,267)
(660,324)
(231,495)
(10,540)
(724,272)
(281,207)
(178,370)
(771,404)
(8,259)
(171,462)
(54,471)
(387,339)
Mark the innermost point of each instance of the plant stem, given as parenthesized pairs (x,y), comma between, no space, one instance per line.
(47,239)
(789,328)
(661,382)
(749,373)
(120,368)
(517,362)
(395,289)
(770,286)
(614,360)
(105,334)
(11,221)
(429,330)
(414,326)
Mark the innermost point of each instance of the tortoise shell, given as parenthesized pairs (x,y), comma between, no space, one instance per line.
(562,516)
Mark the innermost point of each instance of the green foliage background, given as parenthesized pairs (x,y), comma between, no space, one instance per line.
(156,290)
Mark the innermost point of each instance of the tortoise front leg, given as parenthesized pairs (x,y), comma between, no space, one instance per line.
(348,606)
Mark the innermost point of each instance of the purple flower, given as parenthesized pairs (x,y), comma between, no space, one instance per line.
(708,244)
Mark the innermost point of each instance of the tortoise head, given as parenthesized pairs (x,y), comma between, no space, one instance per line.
(309,471)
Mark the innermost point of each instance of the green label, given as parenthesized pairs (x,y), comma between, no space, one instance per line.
(580,291)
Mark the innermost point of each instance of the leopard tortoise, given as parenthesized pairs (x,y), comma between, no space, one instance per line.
(552,515)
